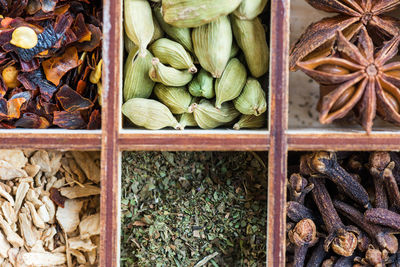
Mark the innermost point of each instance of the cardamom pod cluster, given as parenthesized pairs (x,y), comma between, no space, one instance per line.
(195,63)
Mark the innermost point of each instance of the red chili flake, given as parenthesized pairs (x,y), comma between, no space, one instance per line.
(54,87)
(31,120)
(71,101)
(56,67)
(94,120)
(69,120)
(56,197)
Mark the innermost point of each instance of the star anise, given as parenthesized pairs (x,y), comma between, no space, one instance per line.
(358,78)
(319,37)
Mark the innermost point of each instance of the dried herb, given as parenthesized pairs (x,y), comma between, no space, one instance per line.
(47,51)
(358,78)
(193,209)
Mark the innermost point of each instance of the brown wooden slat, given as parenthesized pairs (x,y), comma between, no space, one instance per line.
(194,142)
(74,140)
(109,239)
(344,141)
(278,123)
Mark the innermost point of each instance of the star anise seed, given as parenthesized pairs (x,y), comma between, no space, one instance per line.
(356,78)
(319,37)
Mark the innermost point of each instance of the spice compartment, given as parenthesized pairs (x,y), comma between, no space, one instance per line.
(128,128)
(50,207)
(373,178)
(195,207)
(304,92)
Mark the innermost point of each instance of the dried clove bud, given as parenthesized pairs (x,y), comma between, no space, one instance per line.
(326,163)
(375,257)
(317,255)
(341,239)
(296,212)
(354,163)
(363,241)
(298,188)
(344,262)
(383,217)
(329,262)
(391,186)
(303,236)
(385,239)
(377,164)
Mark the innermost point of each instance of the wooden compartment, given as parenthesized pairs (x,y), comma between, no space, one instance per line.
(278,139)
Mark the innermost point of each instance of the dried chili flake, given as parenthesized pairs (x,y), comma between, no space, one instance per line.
(53,87)
(56,67)
(69,120)
(31,120)
(71,101)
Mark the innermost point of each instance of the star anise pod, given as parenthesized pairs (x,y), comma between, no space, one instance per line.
(319,37)
(358,78)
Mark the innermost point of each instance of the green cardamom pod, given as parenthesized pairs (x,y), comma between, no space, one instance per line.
(139,24)
(149,114)
(251,122)
(194,13)
(173,54)
(129,44)
(137,82)
(250,36)
(250,9)
(213,44)
(177,99)
(231,83)
(180,35)
(168,75)
(202,85)
(252,100)
(187,120)
(158,33)
(209,117)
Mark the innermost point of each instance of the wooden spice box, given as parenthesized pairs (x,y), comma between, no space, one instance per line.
(285,133)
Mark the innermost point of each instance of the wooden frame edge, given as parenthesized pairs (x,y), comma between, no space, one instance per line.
(277,168)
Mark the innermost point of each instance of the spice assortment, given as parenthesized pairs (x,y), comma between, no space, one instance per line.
(193,209)
(201,63)
(50,208)
(50,64)
(343,209)
(352,57)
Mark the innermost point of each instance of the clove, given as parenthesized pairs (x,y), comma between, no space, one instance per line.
(383,217)
(318,255)
(303,236)
(384,239)
(354,163)
(296,212)
(326,163)
(374,257)
(395,157)
(363,242)
(344,262)
(298,188)
(341,238)
(391,186)
(329,262)
(378,161)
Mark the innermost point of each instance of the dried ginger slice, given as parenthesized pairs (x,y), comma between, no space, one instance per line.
(68,217)
(80,191)
(43,258)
